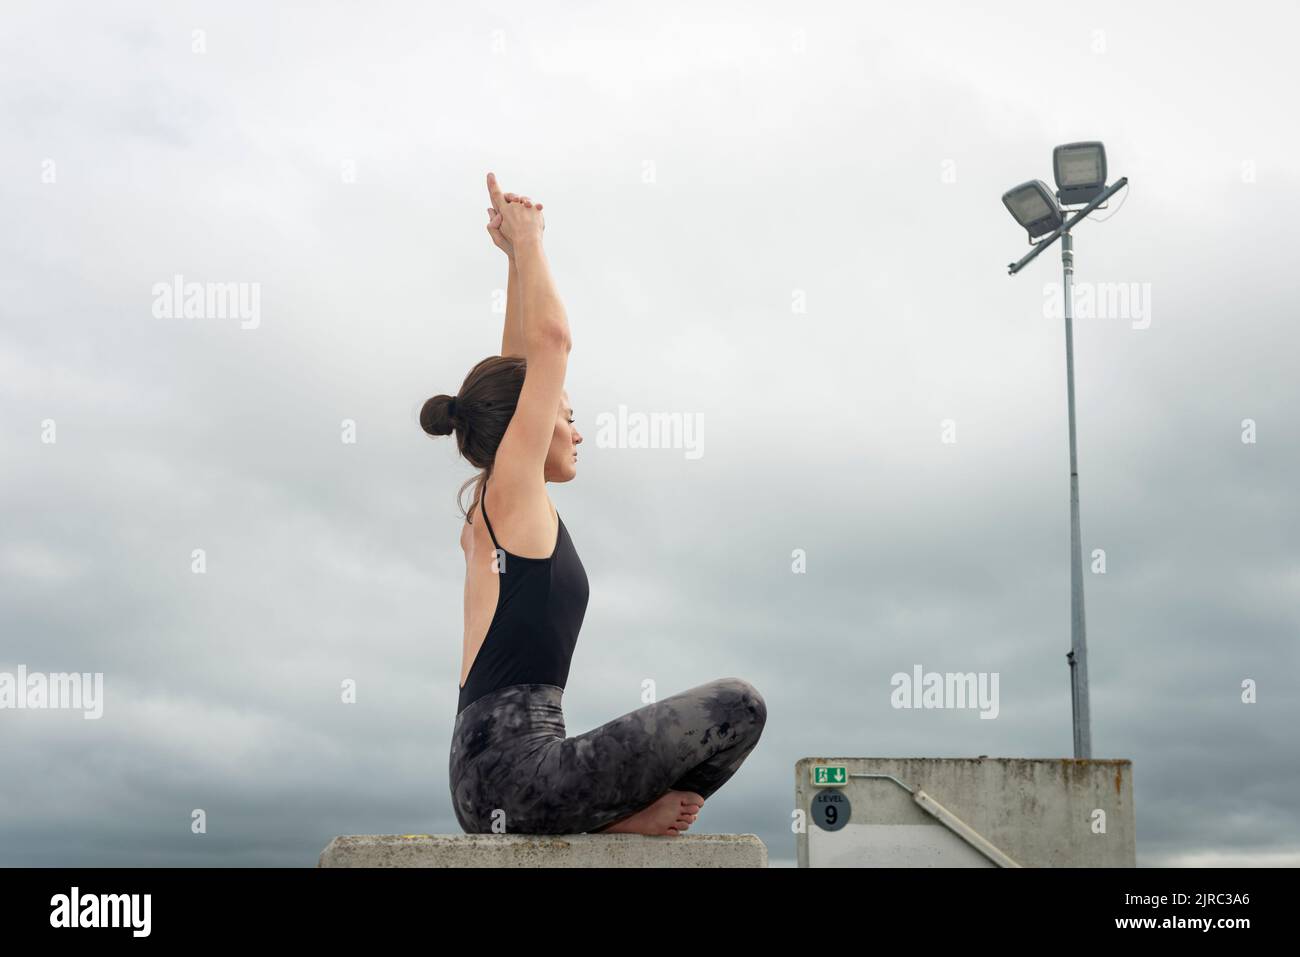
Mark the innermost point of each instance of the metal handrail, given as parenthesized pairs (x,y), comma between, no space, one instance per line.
(949,820)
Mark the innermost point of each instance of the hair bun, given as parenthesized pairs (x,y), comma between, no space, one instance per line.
(436,415)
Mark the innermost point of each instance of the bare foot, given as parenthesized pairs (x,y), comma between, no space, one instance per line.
(668,816)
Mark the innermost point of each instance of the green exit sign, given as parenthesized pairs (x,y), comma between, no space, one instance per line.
(828,775)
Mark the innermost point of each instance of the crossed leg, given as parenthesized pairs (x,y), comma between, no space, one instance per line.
(690,742)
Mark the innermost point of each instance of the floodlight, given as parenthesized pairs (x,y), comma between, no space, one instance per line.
(1034,207)
(1080,170)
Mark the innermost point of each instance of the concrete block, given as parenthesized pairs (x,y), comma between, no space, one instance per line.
(1041,812)
(544,850)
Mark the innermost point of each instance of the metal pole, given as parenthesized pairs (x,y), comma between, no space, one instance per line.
(1078,656)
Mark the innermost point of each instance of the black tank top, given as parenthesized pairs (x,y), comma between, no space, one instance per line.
(534,630)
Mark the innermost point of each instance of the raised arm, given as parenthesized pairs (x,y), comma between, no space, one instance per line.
(512,337)
(544,328)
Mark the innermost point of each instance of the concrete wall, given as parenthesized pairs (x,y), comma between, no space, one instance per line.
(1039,811)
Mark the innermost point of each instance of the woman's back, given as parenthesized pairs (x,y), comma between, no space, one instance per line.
(522,612)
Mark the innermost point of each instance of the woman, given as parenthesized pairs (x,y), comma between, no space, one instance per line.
(512,768)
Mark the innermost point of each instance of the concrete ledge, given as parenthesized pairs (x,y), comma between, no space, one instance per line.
(544,850)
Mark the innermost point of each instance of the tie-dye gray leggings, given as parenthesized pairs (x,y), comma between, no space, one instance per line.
(513,771)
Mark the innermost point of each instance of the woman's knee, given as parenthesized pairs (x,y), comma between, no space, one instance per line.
(750,699)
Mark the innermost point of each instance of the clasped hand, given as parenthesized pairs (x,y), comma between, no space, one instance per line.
(512,218)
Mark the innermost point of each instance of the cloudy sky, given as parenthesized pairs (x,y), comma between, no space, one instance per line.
(783,222)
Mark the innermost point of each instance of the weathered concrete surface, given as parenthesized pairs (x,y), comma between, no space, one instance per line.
(1042,812)
(544,850)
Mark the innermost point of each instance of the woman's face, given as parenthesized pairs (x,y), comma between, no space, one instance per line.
(562,459)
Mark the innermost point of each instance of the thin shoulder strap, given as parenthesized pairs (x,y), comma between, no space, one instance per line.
(482,507)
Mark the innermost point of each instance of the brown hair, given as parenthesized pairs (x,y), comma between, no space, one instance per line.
(483,408)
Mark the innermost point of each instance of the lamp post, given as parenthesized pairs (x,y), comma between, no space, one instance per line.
(1080,170)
